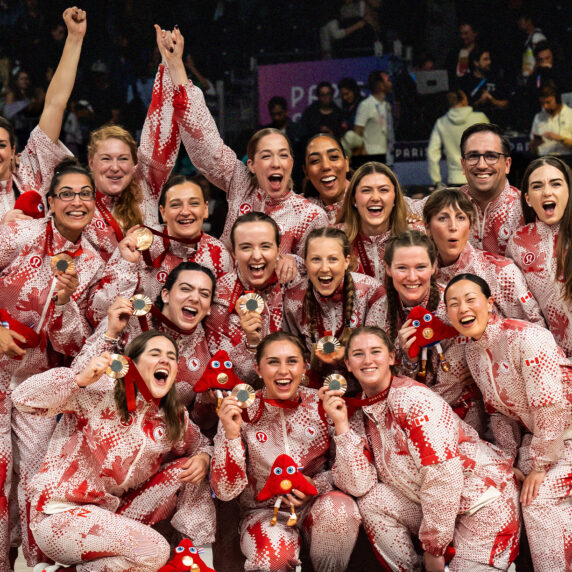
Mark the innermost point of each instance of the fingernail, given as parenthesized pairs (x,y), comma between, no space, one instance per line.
(176,27)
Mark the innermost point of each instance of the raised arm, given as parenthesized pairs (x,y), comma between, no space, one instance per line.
(62,83)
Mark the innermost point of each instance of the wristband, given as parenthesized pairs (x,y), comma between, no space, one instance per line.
(106,338)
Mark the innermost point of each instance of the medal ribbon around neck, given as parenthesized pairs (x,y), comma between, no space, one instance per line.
(108,217)
(50,243)
(133,378)
(166,242)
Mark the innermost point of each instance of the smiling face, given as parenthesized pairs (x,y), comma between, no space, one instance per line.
(369,361)
(281,368)
(112,166)
(255,252)
(158,366)
(71,217)
(326,168)
(185,210)
(547,194)
(411,272)
(272,164)
(326,264)
(485,181)
(450,229)
(468,308)
(374,200)
(189,300)
(6,154)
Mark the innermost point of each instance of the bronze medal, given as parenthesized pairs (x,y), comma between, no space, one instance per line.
(144,238)
(336,382)
(244,393)
(222,378)
(251,302)
(141,304)
(61,262)
(119,366)
(328,345)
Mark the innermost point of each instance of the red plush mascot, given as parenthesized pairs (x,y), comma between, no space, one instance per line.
(285,476)
(218,375)
(430,331)
(185,559)
(32,338)
(30,203)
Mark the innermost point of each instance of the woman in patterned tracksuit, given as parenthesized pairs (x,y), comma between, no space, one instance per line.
(525,380)
(431,474)
(542,248)
(284,418)
(115,465)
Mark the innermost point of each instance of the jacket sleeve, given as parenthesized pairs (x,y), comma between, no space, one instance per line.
(228,466)
(207,151)
(507,433)
(434,155)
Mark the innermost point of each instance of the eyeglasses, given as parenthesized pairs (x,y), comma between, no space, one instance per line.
(490,157)
(84,195)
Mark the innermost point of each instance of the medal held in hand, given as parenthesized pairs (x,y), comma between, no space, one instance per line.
(244,394)
(118,367)
(61,262)
(144,238)
(251,302)
(141,304)
(336,382)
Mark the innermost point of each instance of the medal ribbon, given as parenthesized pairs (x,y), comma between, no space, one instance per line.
(133,378)
(362,255)
(166,241)
(50,243)
(108,217)
(355,403)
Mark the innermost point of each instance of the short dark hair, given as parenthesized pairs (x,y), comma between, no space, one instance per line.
(480,282)
(349,83)
(174,274)
(483,127)
(374,78)
(549,89)
(476,54)
(255,216)
(277,100)
(541,47)
(325,84)
(179,179)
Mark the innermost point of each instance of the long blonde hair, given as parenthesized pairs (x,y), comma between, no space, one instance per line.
(126,212)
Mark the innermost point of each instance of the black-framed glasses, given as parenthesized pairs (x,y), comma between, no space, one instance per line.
(84,195)
(490,157)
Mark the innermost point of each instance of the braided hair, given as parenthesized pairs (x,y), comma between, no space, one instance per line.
(407,239)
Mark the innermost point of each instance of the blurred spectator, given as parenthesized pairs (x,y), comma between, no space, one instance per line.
(76,128)
(374,122)
(459,60)
(351,97)
(533,36)
(551,132)
(484,90)
(322,116)
(446,137)
(103,96)
(24,103)
(278,110)
(196,76)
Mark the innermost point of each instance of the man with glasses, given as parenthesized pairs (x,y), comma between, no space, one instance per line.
(485,160)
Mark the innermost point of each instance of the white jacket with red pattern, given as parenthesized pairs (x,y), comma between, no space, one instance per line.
(525,380)
(295,215)
(332,211)
(533,249)
(27,288)
(156,158)
(426,452)
(223,325)
(94,457)
(149,275)
(35,169)
(509,289)
(270,428)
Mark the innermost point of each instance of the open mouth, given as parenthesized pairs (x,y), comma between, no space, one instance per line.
(189,313)
(161,376)
(549,208)
(375,210)
(186,222)
(328,181)
(283,383)
(76,214)
(467,320)
(257,269)
(325,281)
(412,286)
(275,182)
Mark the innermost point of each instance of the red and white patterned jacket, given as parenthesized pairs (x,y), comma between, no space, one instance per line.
(295,215)
(332,211)
(27,287)
(270,428)
(35,168)
(533,249)
(525,380)
(94,457)
(223,325)
(156,158)
(426,452)
(494,225)
(508,286)
(149,274)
